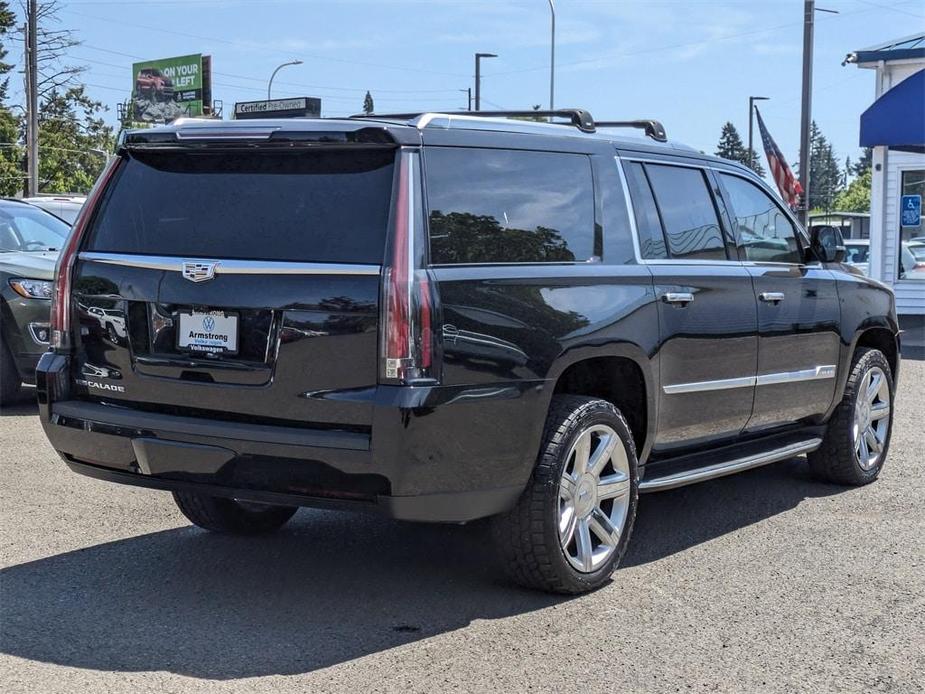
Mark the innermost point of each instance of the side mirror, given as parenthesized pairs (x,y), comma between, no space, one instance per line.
(827,244)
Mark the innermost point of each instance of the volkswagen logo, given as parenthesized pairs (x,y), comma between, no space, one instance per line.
(198,272)
(208,324)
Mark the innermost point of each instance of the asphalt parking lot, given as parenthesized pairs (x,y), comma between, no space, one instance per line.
(767,581)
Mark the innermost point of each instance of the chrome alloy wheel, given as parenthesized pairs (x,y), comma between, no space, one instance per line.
(871,418)
(594,498)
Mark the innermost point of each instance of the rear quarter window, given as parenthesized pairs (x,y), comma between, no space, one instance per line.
(508,206)
(315,206)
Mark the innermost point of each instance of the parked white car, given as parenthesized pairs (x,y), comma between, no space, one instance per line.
(65,207)
(912,258)
(857,253)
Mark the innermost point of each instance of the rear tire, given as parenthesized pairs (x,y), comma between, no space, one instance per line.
(571,525)
(222,515)
(10,382)
(858,435)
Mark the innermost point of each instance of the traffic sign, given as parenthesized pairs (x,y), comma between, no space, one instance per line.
(911,207)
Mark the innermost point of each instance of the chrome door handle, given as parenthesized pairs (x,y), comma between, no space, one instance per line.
(771,297)
(678,297)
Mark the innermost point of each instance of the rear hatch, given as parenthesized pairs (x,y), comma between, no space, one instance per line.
(236,283)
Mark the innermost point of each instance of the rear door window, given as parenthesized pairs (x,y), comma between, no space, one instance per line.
(507,206)
(319,206)
(687,212)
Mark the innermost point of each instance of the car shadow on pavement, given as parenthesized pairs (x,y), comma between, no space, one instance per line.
(329,588)
(25,404)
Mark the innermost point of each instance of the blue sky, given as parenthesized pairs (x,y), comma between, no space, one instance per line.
(691,64)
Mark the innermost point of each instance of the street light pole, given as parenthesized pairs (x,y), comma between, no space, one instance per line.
(751,118)
(552,58)
(478,77)
(278,68)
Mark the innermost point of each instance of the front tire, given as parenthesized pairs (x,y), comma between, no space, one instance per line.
(231,516)
(571,525)
(858,435)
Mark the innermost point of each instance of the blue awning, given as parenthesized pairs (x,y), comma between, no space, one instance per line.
(897,119)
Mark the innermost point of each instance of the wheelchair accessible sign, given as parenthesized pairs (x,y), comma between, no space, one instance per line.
(911,210)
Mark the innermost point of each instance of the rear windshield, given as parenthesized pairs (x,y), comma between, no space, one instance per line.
(318,206)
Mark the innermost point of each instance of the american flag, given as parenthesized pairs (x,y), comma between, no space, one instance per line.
(789,187)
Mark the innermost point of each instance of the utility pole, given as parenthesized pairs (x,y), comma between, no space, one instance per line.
(806,111)
(32,99)
(751,118)
(552,58)
(478,77)
(468,92)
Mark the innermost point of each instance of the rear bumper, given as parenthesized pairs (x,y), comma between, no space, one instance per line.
(442,454)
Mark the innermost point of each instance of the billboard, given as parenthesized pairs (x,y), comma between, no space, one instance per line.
(169,88)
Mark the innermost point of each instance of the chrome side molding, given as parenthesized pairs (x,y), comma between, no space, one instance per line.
(729,467)
(230,266)
(700,386)
(816,373)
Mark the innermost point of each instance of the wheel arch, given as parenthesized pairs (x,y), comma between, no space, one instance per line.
(881,335)
(620,374)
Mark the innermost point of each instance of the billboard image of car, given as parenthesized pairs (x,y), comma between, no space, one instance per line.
(168,88)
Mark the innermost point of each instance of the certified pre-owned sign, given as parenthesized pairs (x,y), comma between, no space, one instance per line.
(302,107)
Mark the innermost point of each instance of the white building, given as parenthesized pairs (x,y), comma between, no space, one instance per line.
(895,127)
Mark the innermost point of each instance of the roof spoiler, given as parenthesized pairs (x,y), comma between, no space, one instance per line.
(238,137)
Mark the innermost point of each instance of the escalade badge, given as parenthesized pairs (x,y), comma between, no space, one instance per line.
(198,272)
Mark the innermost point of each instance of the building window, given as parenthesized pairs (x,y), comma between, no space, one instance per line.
(911,265)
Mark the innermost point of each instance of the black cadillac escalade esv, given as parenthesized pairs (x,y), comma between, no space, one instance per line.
(448,317)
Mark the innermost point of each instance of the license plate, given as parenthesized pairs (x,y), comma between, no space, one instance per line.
(208,331)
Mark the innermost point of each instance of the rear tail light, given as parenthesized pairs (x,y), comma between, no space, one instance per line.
(408,342)
(61,296)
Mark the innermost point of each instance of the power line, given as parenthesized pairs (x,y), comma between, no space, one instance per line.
(241,44)
(688,44)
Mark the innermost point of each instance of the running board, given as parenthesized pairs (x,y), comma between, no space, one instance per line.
(729,467)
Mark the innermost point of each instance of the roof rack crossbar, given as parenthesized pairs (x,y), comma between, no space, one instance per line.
(577,117)
(580,118)
(652,128)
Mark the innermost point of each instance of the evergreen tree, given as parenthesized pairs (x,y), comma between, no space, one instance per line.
(754,163)
(730,144)
(864,163)
(368,106)
(825,176)
(731,147)
(826,179)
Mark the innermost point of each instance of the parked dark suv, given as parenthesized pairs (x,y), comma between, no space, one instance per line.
(448,317)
